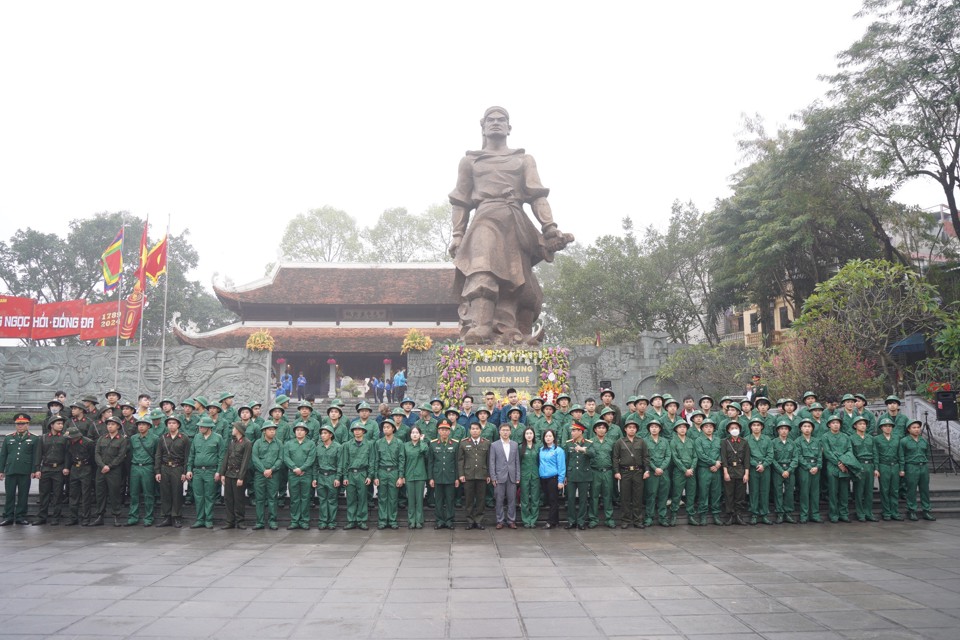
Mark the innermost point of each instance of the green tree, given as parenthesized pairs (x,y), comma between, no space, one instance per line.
(876,303)
(396,236)
(438,231)
(320,235)
(897,94)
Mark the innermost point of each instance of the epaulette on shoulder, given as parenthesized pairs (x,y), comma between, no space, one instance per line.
(435,440)
(453,440)
(586,440)
(570,440)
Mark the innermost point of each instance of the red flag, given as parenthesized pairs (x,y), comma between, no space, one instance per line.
(156,261)
(141,269)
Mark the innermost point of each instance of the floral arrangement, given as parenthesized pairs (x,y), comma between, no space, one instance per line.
(933,387)
(416,340)
(454,361)
(261,341)
(331,361)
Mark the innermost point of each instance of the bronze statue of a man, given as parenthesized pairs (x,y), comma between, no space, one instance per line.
(500,299)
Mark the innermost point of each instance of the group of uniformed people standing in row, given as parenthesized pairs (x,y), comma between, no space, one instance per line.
(650,461)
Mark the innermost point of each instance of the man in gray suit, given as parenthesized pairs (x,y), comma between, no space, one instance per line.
(505,474)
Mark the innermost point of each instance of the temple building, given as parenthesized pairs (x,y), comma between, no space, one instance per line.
(357,314)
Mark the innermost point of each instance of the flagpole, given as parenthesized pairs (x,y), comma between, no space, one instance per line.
(116,360)
(166,286)
(143,305)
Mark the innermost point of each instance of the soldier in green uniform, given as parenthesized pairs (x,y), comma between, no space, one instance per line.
(170,470)
(414,476)
(443,473)
(683,461)
(233,473)
(600,455)
(809,397)
(861,409)
(370,426)
(334,420)
(914,461)
(761,459)
(403,429)
(863,450)
(784,462)
(607,397)
(143,452)
(306,416)
(358,466)
(789,413)
(203,470)
(189,419)
(818,419)
(809,462)
(530,477)
(563,412)
(428,426)
(837,449)
(579,477)
(534,417)
(885,454)
(900,420)
(657,486)
(227,410)
(550,420)
(452,415)
(79,419)
(329,465)
(388,465)
(631,464)
(769,420)
(473,456)
(51,454)
(575,415)
(110,455)
(707,448)
(695,427)
(80,451)
(672,407)
(515,424)
(300,458)
(266,457)
(847,415)
(614,432)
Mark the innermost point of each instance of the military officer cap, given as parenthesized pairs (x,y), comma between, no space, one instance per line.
(483,410)
(892,399)
(206,422)
(78,405)
(512,409)
(862,419)
(201,400)
(407,400)
(451,410)
(156,414)
(706,397)
(576,407)
(607,390)
(126,404)
(631,421)
(708,420)
(547,403)
(446,425)
(787,401)
(642,398)
(242,428)
(283,398)
(324,427)
(810,422)
(847,396)
(656,395)
(332,407)
(536,399)
(860,396)
(886,422)
(763,399)
(272,425)
(169,418)
(168,400)
(398,411)
(425,407)
(913,422)
(597,423)
(577,425)
(785,424)
(282,411)
(607,410)
(55,418)
(303,404)
(388,421)
(117,421)
(54,402)
(224,396)
(92,399)
(815,406)
(73,432)
(680,423)
(113,391)
(668,400)
(808,394)
(733,423)
(654,421)
(302,425)
(562,396)
(188,402)
(21,417)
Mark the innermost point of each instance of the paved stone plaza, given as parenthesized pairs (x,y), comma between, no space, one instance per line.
(887,580)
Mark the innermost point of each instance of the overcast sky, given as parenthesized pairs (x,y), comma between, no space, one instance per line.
(234,117)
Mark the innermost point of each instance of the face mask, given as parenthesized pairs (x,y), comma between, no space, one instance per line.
(734,432)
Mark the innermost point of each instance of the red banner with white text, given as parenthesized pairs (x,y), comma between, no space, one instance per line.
(57,319)
(16,316)
(99,321)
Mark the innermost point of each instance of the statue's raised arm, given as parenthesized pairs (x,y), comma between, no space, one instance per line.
(500,299)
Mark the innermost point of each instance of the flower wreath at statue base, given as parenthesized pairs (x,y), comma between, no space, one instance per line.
(454,360)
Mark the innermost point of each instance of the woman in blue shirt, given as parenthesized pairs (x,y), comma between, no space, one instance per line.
(553,475)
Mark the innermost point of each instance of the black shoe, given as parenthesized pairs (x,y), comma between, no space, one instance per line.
(581,527)
(625,525)
(24,521)
(929,516)
(71,523)
(292,527)
(97,523)
(479,526)
(54,522)
(790,519)
(38,522)
(117,523)
(362,526)
(177,523)
(740,521)
(197,525)
(166,522)
(912,516)
(228,525)
(570,526)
